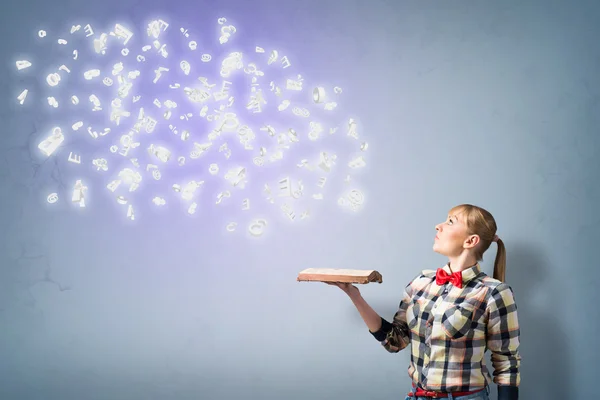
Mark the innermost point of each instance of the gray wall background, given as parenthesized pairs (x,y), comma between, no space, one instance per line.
(490,103)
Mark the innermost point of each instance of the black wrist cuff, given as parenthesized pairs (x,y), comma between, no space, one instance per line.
(508,393)
(380,335)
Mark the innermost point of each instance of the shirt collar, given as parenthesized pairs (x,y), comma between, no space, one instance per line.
(467,274)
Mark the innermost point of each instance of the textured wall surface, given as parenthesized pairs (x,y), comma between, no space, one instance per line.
(490,103)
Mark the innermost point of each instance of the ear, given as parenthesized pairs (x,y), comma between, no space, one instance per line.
(472,241)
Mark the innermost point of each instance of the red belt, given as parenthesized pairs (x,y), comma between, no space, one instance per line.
(439,395)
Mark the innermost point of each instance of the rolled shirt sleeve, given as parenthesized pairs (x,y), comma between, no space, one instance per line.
(395,336)
(503,336)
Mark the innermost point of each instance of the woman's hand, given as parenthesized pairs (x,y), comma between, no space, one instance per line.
(348,288)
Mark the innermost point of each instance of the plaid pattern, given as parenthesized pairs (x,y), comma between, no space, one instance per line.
(449,329)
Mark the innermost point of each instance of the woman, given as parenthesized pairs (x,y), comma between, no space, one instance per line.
(451,316)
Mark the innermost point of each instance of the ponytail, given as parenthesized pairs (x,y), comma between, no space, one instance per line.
(500,262)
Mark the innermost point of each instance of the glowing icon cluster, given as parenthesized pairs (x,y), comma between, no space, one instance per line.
(149,136)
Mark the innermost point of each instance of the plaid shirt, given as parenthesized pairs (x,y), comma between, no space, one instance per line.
(449,329)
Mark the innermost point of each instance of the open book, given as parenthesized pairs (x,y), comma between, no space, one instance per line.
(339,275)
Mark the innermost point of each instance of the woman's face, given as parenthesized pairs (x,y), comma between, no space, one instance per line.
(450,236)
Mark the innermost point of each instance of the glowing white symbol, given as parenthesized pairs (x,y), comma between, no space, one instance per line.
(88,30)
(49,145)
(273,58)
(356,199)
(358,162)
(226,33)
(293,85)
(318,95)
(155,27)
(122,33)
(159,201)
(100,164)
(293,136)
(158,73)
(352,129)
(91,74)
(287,210)
(256,102)
(75,28)
(52,198)
(117,68)
(315,130)
(301,112)
(231,227)
(257,227)
(100,44)
(190,189)
(222,195)
(236,176)
(79,193)
(258,161)
(53,79)
(130,213)
(337,90)
(284,104)
(74,158)
(96,102)
(213,169)
(326,162)
(285,187)
(185,67)
(42,34)
(193,45)
(159,152)
(21,98)
(22,64)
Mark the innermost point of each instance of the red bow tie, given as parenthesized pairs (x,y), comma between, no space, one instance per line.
(455,278)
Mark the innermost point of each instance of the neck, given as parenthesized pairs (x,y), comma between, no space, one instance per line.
(461,262)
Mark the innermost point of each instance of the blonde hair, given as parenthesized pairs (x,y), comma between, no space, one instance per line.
(481,222)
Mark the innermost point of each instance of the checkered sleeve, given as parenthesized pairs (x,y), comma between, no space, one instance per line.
(503,336)
(395,336)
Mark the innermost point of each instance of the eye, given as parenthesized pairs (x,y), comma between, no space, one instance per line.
(450,222)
